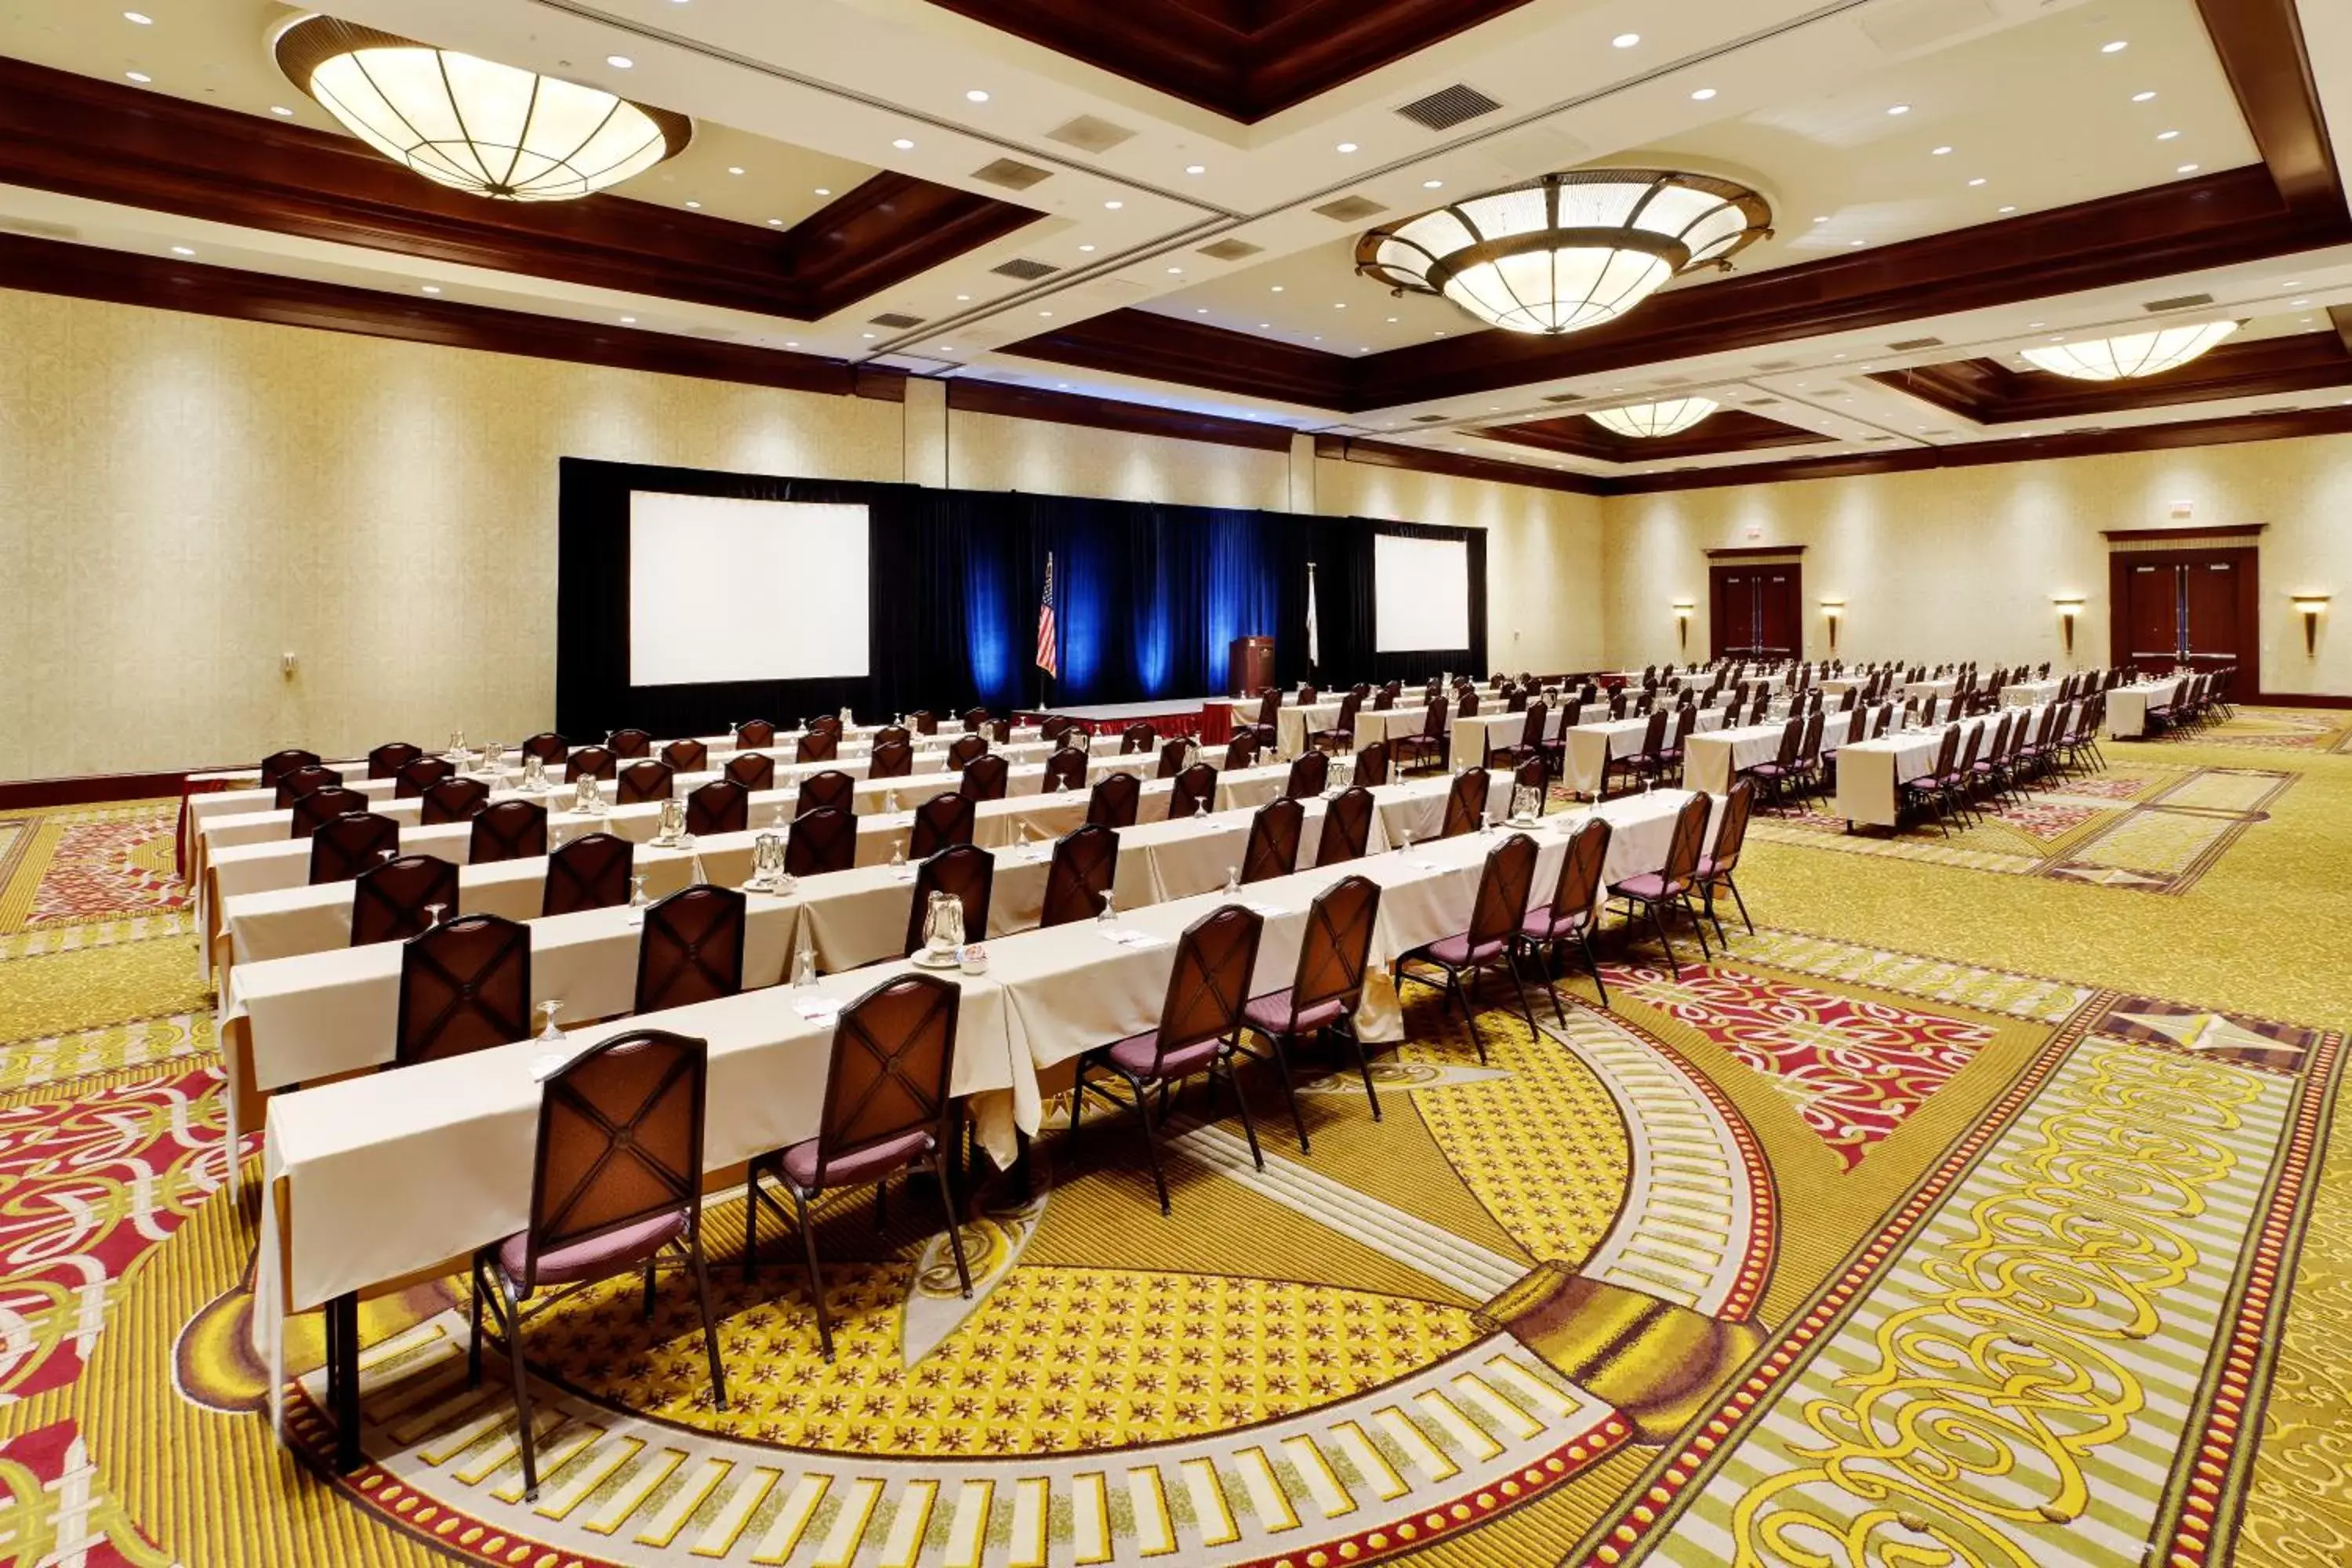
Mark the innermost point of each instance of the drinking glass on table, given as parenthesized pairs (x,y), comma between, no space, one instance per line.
(547,1012)
(434,914)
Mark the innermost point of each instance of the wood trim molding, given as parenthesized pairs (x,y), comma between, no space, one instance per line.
(88,789)
(1194,353)
(1724,430)
(1754,551)
(973,396)
(2261,47)
(1988,393)
(84,137)
(2222,531)
(1388,454)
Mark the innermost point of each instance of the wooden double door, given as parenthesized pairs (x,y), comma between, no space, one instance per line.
(2192,608)
(1756,611)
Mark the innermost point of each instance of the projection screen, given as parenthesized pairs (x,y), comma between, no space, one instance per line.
(1421,594)
(724,589)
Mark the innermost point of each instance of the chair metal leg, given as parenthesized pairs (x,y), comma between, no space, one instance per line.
(955,1232)
(474,1327)
(882,1206)
(1658,920)
(750,1220)
(1742,905)
(1364,1070)
(1249,1128)
(1699,926)
(1282,1066)
(710,1324)
(815,1273)
(1552,961)
(1151,1146)
(1519,983)
(1592,961)
(1469,994)
(1708,897)
(512,1314)
(1078,1098)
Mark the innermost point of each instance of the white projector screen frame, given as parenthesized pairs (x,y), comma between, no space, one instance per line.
(1421,594)
(693,558)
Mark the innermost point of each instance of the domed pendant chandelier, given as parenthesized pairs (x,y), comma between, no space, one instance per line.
(1567,251)
(2137,354)
(1645,420)
(473,124)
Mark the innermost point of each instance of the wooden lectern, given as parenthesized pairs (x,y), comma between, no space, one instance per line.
(1250,663)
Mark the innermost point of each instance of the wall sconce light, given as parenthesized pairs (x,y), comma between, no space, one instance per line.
(1684,610)
(1835,609)
(2308,606)
(2069,607)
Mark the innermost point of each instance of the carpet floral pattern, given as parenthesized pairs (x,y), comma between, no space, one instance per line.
(1833,1249)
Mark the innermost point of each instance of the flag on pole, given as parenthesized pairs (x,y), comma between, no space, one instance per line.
(1314,635)
(1048,658)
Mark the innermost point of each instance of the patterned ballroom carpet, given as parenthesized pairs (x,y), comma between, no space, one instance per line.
(1949,1218)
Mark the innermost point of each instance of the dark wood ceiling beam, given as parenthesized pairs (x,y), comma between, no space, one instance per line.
(1724,430)
(1991,393)
(970,396)
(1192,354)
(2261,47)
(2341,316)
(1460,465)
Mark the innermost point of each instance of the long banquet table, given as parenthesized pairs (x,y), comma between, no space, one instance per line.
(2128,706)
(1712,759)
(1870,773)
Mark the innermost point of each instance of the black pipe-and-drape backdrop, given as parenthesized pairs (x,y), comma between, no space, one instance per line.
(1148,598)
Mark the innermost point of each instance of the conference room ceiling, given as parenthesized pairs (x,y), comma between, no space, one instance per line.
(1184,265)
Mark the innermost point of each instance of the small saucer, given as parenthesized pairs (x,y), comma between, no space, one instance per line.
(923,959)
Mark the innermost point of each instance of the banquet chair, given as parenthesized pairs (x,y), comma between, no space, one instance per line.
(1515,699)
(343,848)
(687,756)
(965,871)
(321,807)
(617,1181)
(1341,735)
(1266,731)
(1426,744)
(1878,726)
(1574,912)
(1669,887)
(1465,803)
(1065,770)
(1761,708)
(1503,887)
(1199,1019)
(303,781)
(420,775)
(401,898)
(548,746)
(1988,773)
(722,805)
(1534,774)
(946,818)
(1310,775)
(626,743)
(452,800)
(1137,738)
(1669,762)
(984,778)
(1114,801)
(754,734)
(1320,1000)
(691,949)
(591,762)
(1086,864)
(752,770)
(885,1107)
(974,718)
(1715,867)
(508,830)
(278,764)
(464,985)
(1617,704)
(890,760)
(961,751)
(1194,792)
(1050,728)
(1779,774)
(1273,847)
(387,759)
(1926,791)
(1528,745)
(2081,745)
(816,746)
(1386,698)
(829,723)
(1241,753)
(894,735)
(822,840)
(1307,694)
(923,721)
(1371,765)
(1468,707)
(1809,756)
(1346,827)
(592,872)
(1172,756)
(1641,762)
(830,788)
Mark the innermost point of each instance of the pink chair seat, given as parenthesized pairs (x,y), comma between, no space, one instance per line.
(1646,885)
(1542,925)
(869,1163)
(1706,868)
(1135,1054)
(1455,951)
(597,1257)
(1272,1014)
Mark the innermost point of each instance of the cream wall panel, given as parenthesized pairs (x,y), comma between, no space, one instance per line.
(1963,563)
(992,452)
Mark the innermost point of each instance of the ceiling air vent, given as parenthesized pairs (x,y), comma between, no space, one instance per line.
(1776,365)
(1429,418)
(1563,397)
(1230,249)
(1020,266)
(1350,210)
(1012,174)
(1878,437)
(2185,302)
(1761,403)
(1448,106)
(2282,408)
(1912,345)
(39,229)
(897,319)
(1089,134)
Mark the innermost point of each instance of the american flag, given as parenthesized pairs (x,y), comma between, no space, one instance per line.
(1048,658)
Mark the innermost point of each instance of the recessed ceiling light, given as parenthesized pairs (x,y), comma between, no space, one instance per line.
(140,77)
(1855,243)
(961,298)
(1345,147)
(1175,272)
(2166,135)
(2142,96)
(2296,284)
(903,144)
(1978,181)
(430,288)
(775,223)
(1113,206)
(1433,185)
(1200,310)
(1899,109)
(697,206)
(977,95)
(1937,152)
(1625,40)
(947,348)
(2009,209)
(1277,288)
(139,16)
(2299,304)
(734,169)
(1363,350)
(2185,169)
(182,250)
(1392,321)
(2118,47)
(1823,219)
(1319,337)
(1340,305)
(793,344)
(1833,356)
(867,336)
(2036,326)
(619,62)
(1048,314)
(1196,168)
(824,190)
(629,321)
(1261,326)
(281,111)
(1702,94)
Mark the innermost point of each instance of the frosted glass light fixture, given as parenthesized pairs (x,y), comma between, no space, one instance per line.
(473,124)
(1565,251)
(1645,420)
(2137,354)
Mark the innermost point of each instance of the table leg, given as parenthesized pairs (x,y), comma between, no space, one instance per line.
(343,1379)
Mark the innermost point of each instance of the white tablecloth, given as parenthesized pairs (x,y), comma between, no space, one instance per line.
(1293,724)
(1869,772)
(2029,693)
(2128,706)
(1473,739)
(1590,746)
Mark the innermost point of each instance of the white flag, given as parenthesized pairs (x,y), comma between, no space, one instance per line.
(1314,636)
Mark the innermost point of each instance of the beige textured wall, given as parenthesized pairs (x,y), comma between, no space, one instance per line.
(990,452)
(1964,562)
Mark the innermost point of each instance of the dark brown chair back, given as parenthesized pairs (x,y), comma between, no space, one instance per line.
(464,985)
(1531,734)
(891,759)
(393,901)
(1468,707)
(596,762)
(822,840)
(1732,832)
(1515,699)
(645,781)
(1372,765)
(1273,847)
(1001,732)
(893,1053)
(278,764)
(1579,890)
(722,805)
(1337,946)
(1114,801)
(548,746)
(1137,738)
(411,782)
(1385,700)
(924,721)
(754,733)
(687,756)
(509,830)
(1242,752)
(985,777)
(1172,756)
(620,1142)
(832,788)
(1209,981)
(345,846)
(1052,727)
(1307,694)
(592,872)
(894,735)
(752,770)
(1192,792)
(1504,889)
(964,869)
(321,807)
(1349,706)
(974,718)
(293,786)
(1347,828)
(452,800)
(1086,864)
(691,949)
(827,723)
(965,748)
(1617,704)
(1065,769)
(816,746)
(1433,718)
(1269,704)
(1690,837)
(627,744)
(387,761)
(1310,775)
(1465,804)
(944,819)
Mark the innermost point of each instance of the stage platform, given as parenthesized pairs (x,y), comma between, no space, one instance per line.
(1174,716)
